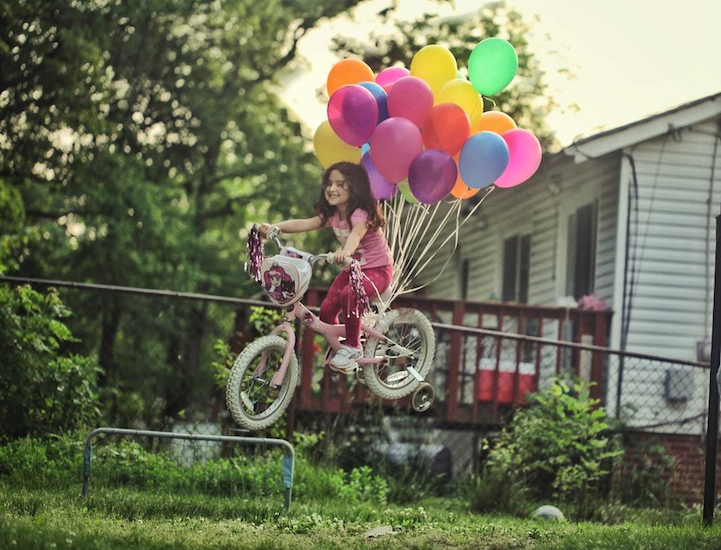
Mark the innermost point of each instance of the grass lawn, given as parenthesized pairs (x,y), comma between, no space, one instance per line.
(60,518)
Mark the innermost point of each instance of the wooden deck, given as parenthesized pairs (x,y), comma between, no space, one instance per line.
(479,377)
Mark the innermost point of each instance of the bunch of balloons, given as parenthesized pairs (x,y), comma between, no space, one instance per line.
(423,130)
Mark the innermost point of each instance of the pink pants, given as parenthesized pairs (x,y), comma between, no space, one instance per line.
(340,298)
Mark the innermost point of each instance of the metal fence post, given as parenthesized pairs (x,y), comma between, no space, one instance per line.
(709,499)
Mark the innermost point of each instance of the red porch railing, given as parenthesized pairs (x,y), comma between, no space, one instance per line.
(478,375)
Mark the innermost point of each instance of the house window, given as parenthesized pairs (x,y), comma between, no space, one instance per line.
(581,261)
(516,268)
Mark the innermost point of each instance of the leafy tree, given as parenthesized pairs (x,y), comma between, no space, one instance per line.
(142,136)
(45,388)
(526,100)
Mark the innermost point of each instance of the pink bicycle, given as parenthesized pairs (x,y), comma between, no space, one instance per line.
(397,350)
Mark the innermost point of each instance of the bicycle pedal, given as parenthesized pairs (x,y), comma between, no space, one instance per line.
(349,370)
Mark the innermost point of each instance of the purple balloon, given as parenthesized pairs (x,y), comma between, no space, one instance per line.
(353,114)
(381,188)
(432,175)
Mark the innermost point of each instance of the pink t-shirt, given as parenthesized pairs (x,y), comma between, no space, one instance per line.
(373,249)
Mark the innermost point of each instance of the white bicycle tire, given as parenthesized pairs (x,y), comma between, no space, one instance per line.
(400,324)
(239,404)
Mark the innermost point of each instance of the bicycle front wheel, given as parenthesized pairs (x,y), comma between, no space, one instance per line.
(252,401)
(410,342)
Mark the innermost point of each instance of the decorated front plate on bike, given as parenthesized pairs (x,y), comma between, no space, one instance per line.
(285,279)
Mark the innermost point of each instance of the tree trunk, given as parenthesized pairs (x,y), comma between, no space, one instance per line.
(109,332)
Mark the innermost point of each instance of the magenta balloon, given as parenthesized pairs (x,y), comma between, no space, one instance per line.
(432,175)
(394,144)
(353,114)
(411,98)
(524,157)
(381,188)
(390,75)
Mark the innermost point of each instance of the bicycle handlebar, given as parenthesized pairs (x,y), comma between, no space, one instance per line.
(328,257)
(273,236)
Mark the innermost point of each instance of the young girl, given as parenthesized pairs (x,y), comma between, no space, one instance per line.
(347,205)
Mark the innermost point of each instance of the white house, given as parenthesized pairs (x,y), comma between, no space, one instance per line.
(627,215)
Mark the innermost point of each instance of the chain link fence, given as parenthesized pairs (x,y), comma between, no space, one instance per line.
(165,356)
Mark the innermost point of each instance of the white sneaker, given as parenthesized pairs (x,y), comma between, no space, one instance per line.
(345,359)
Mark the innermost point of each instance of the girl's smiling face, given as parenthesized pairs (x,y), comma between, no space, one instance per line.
(336,190)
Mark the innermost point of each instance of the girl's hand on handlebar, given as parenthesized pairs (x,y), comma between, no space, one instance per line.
(341,257)
(265,228)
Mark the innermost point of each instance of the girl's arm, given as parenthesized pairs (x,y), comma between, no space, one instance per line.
(293,226)
(351,243)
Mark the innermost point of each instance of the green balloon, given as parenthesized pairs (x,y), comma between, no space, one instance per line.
(492,65)
(405,190)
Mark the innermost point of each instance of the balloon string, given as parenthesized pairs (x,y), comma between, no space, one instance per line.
(416,225)
(430,243)
(448,259)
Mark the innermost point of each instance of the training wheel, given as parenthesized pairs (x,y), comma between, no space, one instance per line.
(360,375)
(423,397)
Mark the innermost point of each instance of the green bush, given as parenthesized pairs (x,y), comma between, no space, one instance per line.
(127,464)
(646,482)
(45,389)
(496,492)
(35,462)
(557,449)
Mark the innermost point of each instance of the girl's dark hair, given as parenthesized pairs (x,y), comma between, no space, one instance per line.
(359,189)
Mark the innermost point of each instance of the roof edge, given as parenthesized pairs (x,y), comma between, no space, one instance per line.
(650,127)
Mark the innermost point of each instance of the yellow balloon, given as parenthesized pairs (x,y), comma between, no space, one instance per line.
(494,121)
(329,148)
(434,64)
(462,93)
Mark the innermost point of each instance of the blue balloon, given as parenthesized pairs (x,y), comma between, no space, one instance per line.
(381,98)
(484,157)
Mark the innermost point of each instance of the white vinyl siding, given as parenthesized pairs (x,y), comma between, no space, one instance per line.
(672,250)
(534,209)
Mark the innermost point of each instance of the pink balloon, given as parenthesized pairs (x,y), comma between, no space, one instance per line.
(390,75)
(524,157)
(432,175)
(353,114)
(381,188)
(394,144)
(411,98)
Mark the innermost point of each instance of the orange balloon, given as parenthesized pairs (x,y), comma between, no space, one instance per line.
(348,71)
(447,128)
(494,121)
(460,189)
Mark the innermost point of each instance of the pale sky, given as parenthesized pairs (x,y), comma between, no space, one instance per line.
(631,58)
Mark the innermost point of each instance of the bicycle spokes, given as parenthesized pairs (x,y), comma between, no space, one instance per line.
(257,394)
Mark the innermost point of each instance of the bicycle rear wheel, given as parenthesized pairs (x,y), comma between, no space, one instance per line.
(411,343)
(252,401)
